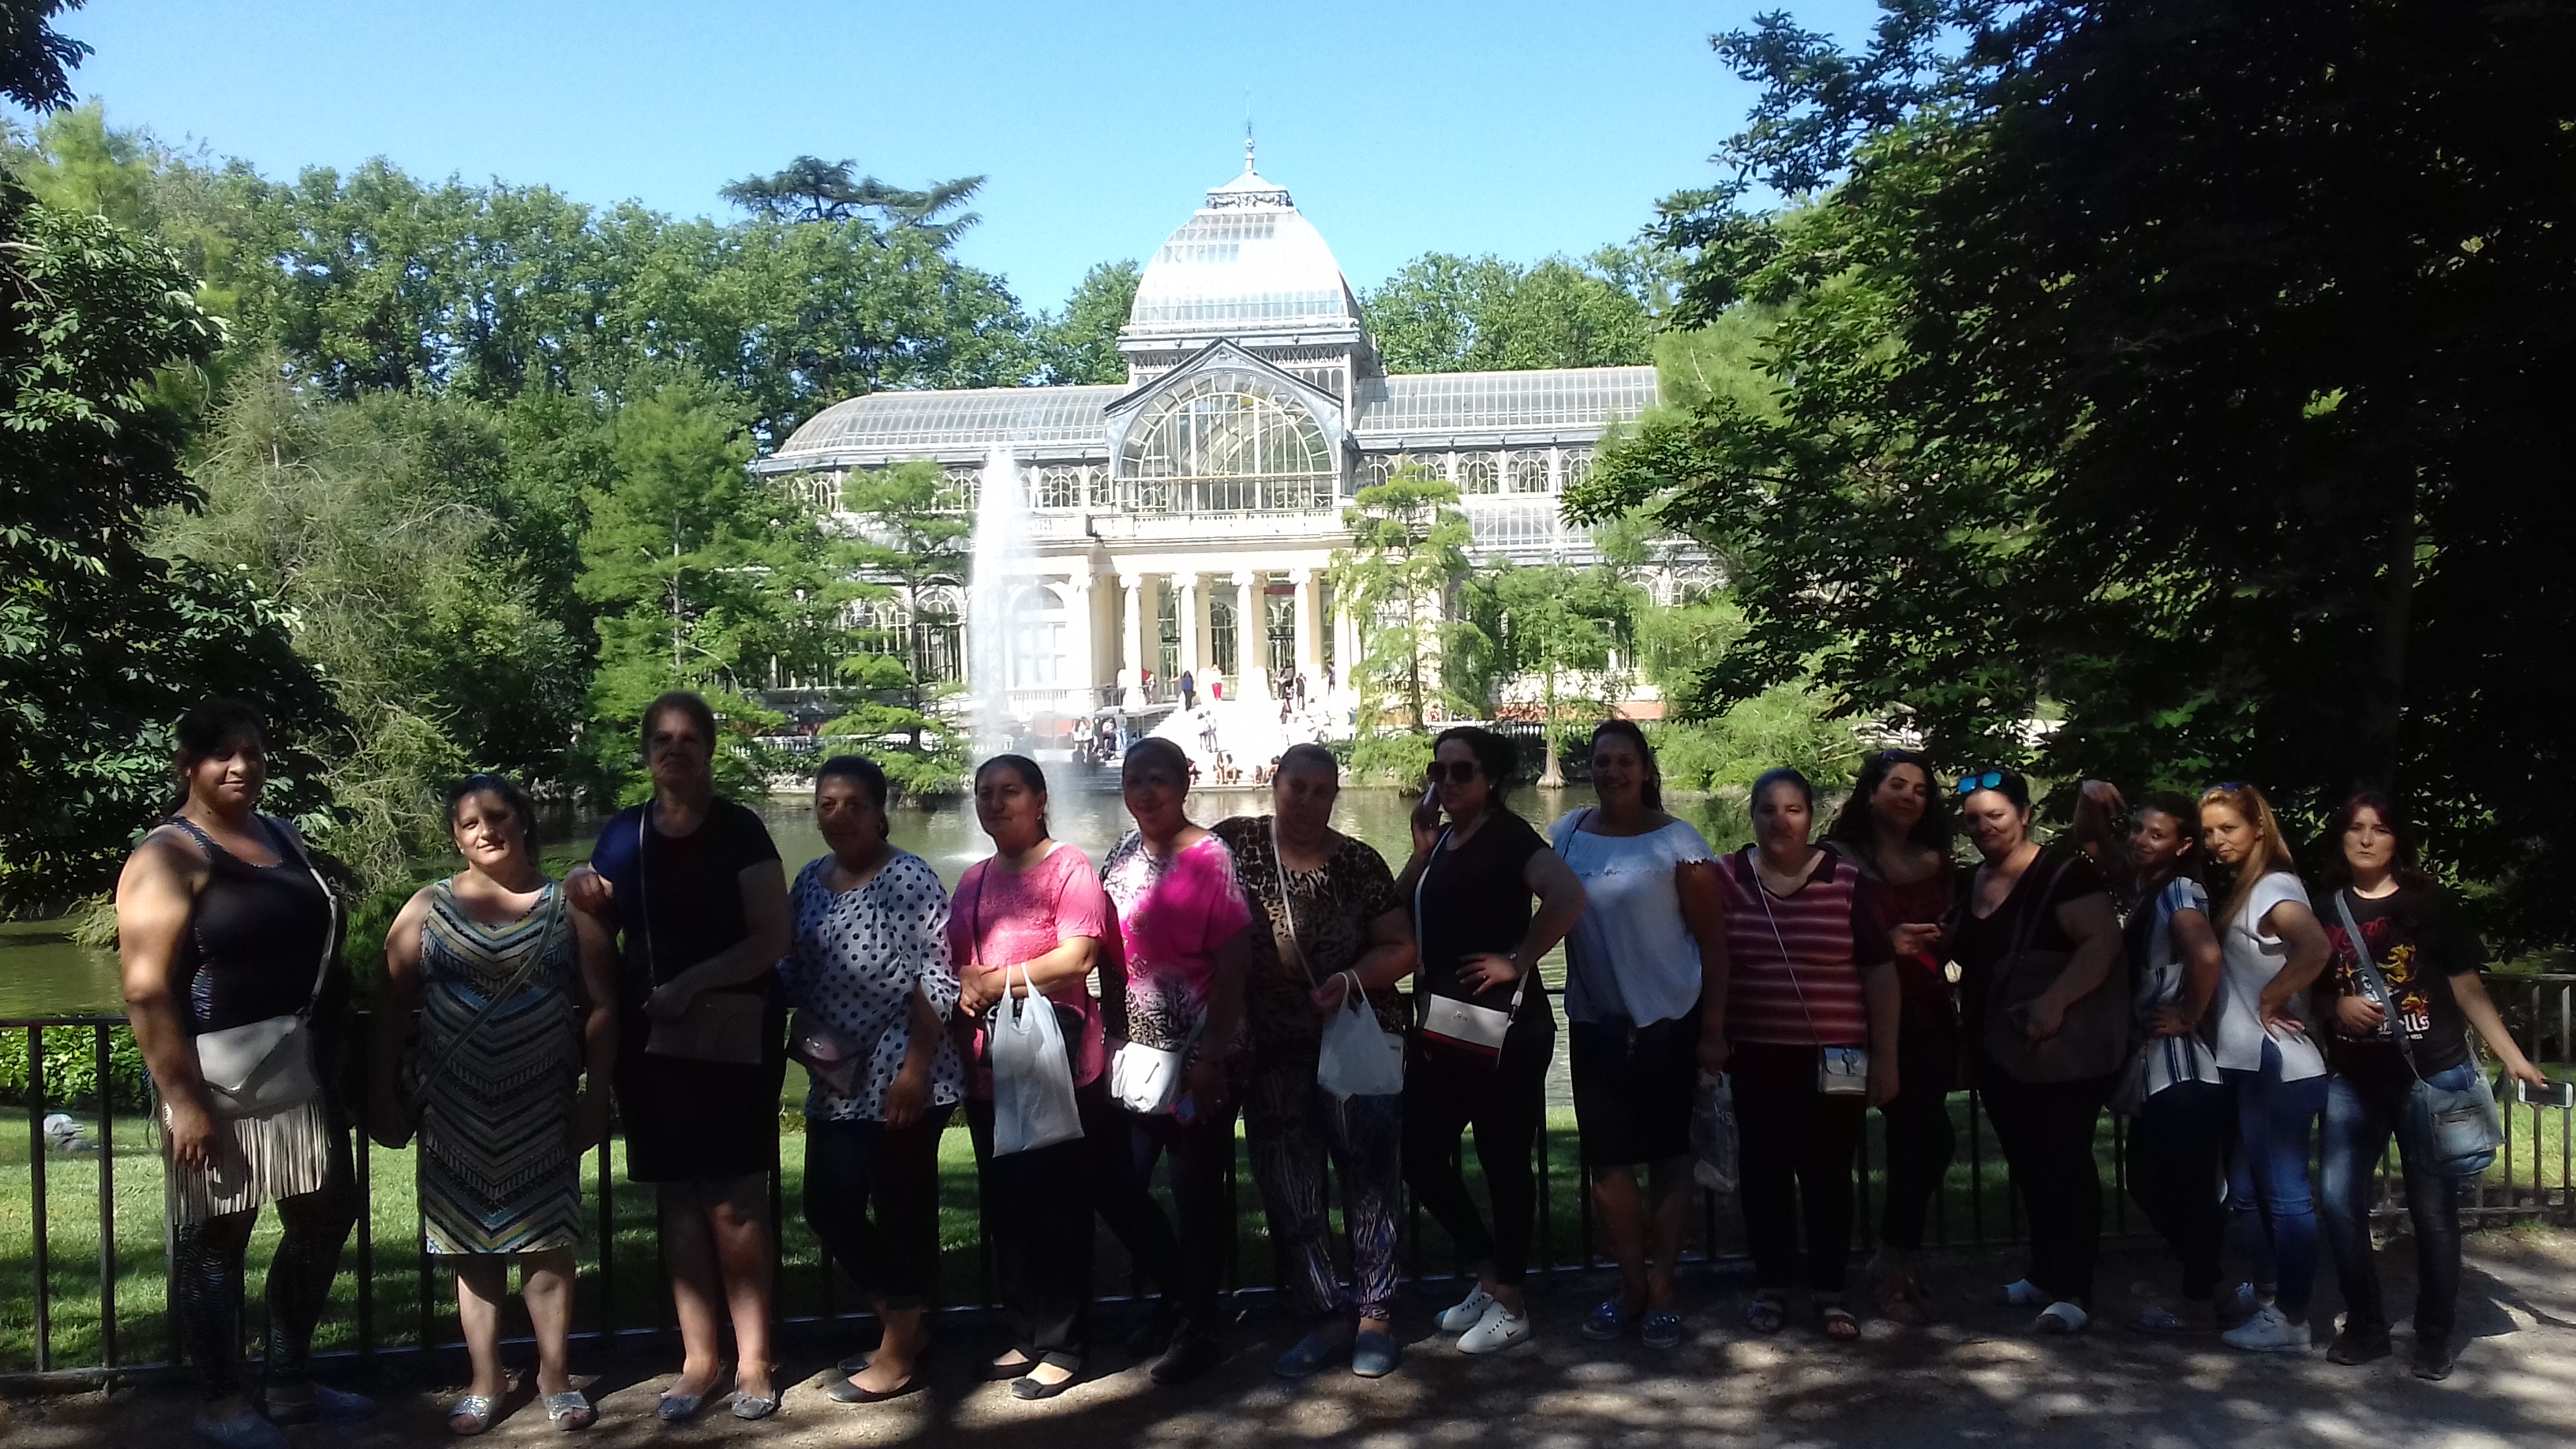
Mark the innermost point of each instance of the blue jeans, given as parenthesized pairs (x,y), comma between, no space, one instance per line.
(2360,1118)
(2269,1173)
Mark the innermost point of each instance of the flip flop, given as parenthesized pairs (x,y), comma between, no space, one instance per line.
(1767,1313)
(1838,1323)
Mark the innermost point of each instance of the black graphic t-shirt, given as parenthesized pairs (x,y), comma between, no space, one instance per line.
(2419,944)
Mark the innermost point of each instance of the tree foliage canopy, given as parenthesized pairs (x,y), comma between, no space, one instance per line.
(2186,369)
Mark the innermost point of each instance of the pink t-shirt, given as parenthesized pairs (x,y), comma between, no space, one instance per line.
(1001,918)
(1173,912)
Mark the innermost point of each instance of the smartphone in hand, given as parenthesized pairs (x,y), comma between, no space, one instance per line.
(2556,1094)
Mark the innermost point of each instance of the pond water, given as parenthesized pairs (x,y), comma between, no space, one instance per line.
(43,973)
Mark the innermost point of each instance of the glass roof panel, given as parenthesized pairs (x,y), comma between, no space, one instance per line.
(1409,405)
(896,421)
(1256,263)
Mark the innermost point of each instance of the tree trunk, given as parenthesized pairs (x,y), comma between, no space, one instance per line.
(1552,777)
(2375,766)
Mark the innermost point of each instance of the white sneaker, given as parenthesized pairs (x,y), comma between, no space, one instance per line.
(2023,1293)
(2268,1331)
(1469,1311)
(1499,1329)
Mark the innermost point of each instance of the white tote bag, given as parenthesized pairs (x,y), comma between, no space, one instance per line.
(1359,1058)
(1032,1077)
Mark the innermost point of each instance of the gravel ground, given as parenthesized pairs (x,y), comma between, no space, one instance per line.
(1978,1378)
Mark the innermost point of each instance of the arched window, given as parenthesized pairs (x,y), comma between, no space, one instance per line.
(1226,443)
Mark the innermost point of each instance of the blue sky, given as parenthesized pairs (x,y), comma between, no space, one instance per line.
(1506,127)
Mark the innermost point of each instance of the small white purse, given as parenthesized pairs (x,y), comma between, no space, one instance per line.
(1146,1080)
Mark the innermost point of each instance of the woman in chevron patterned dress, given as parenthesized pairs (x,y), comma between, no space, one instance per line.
(502,970)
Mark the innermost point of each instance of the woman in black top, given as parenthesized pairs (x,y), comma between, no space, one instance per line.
(222,924)
(1470,885)
(2428,961)
(693,885)
(2051,901)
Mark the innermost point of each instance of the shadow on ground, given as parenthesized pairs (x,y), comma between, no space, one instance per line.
(1978,1377)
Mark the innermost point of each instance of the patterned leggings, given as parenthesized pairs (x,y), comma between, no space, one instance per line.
(207,1262)
(1294,1126)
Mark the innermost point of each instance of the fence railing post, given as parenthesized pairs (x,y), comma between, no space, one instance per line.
(100,1058)
(36,1188)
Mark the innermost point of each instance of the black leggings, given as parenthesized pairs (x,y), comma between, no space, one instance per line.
(206,1262)
(1798,1145)
(1920,1139)
(2046,1129)
(1504,1101)
(851,1166)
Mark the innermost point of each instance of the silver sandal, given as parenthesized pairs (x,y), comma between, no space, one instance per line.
(476,1411)
(571,1410)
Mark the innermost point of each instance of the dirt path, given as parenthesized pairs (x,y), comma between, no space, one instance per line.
(1977,1379)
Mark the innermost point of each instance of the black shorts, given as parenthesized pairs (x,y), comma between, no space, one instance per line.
(1632,1089)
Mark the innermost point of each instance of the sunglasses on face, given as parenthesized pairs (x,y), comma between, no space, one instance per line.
(1456,772)
(1971,784)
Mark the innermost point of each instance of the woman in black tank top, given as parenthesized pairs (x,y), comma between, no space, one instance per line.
(222,922)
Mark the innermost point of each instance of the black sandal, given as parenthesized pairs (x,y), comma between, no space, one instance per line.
(1767,1313)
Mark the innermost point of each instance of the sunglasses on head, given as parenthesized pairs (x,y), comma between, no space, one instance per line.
(1971,784)
(1456,772)
(2232,786)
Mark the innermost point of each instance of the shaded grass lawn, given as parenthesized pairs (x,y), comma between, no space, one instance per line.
(386,1304)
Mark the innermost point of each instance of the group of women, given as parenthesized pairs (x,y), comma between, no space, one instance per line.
(1252,967)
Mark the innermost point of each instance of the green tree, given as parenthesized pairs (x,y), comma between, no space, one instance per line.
(1081,343)
(361,518)
(1447,313)
(2186,369)
(1572,630)
(102,645)
(1408,552)
(704,576)
(815,190)
(912,552)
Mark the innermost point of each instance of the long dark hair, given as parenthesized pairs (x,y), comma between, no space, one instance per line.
(1855,827)
(1495,756)
(1626,729)
(208,726)
(2336,870)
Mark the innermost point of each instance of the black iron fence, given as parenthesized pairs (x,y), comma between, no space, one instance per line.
(84,1286)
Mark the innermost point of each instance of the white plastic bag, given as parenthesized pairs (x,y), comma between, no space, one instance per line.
(1713,1141)
(1032,1077)
(1146,1080)
(1359,1058)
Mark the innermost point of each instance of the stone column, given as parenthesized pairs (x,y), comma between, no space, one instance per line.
(1079,655)
(1251,636)
(1131,672)
(1186,603)
(1202,624)
(1346,639)
(1309,662)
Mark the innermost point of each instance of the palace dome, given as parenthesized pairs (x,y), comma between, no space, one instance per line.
(1247,262)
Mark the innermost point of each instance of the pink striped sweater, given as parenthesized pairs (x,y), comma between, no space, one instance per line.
(1807,994)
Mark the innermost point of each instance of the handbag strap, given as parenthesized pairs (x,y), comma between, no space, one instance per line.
(536,958)
(2026,926)
(284,842)
(644,893)
(1777,939)
(2368,971)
